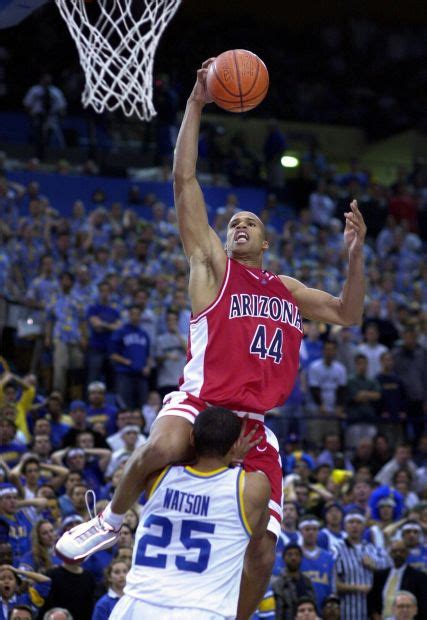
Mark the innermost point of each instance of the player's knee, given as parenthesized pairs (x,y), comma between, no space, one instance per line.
(163,450)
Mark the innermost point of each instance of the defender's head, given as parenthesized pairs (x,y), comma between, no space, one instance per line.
(215,431)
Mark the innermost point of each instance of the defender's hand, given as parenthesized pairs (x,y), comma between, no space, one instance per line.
(245,443)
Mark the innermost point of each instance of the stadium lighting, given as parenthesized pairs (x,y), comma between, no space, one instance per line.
(289,161)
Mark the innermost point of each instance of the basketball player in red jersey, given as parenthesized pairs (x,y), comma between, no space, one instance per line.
(245,334)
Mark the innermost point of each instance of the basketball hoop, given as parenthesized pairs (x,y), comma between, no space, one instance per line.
(116,41)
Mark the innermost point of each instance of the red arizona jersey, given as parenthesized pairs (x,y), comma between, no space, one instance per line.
(244,348)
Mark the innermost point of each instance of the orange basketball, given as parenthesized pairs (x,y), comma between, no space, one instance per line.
(237,80)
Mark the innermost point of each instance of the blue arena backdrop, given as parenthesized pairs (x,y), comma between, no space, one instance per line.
(14,11)
(63,191)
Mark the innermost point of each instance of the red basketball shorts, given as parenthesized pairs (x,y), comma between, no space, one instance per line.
(264,457)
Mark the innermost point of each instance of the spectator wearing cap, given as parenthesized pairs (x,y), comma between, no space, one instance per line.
(131,437)
(332,535)
(317,564)
(66,333)
(12,594)
(10,449)
(388,582)
(291,584)
(103,319)
(363,396)
(99,410)
(130,352)
(356,562)
(14,525)
(412,536)
(331,608)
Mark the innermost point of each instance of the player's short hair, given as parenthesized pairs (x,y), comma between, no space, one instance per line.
(215,431)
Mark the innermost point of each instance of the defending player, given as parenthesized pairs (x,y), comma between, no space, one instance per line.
(244,349)
(194,530)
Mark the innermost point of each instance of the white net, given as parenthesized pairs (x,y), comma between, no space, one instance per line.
(116,41)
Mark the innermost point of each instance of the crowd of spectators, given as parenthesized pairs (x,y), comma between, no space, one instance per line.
(94,336)
(309,82)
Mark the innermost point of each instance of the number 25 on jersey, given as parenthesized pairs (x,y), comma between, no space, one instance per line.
(163,537)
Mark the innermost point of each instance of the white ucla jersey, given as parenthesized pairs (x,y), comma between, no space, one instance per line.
(191,541)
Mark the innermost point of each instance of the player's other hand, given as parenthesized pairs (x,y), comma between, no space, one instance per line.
(355,229)
(200,91)
(245,442)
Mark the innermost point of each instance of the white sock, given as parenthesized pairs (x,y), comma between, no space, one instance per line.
(112,518)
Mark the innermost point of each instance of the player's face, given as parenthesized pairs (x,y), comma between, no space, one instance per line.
(245,235)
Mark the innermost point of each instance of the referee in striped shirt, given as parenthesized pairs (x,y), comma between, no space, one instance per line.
(356,561)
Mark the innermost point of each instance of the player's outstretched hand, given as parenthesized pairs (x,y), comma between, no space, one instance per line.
(355,229)
(200,91)
(245,442)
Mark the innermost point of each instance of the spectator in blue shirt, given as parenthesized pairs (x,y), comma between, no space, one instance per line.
(116,580)
(317,564)
(130,352)
(14,525)
(103,320)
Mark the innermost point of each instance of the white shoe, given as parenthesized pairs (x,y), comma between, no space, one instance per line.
(85,539)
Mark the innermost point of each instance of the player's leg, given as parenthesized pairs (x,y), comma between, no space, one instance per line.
(261,554)
(169,442)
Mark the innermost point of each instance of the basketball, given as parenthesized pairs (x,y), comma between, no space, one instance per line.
(237,80)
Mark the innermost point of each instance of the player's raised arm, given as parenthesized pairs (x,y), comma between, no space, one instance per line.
(198,239)
(347,309)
